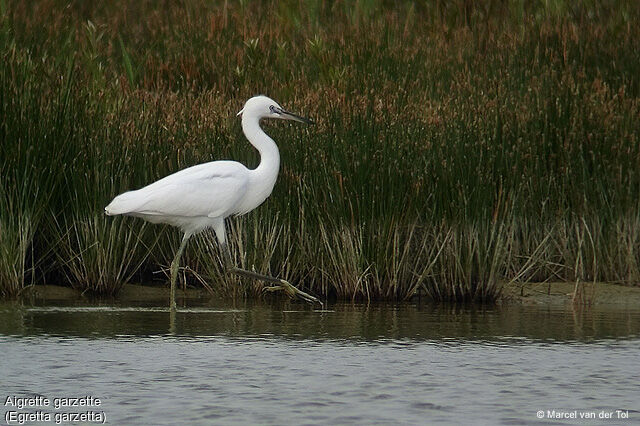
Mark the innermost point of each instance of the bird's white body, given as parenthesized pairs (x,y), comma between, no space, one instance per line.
(202,196)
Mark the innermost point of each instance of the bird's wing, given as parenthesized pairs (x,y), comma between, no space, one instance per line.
(212,189)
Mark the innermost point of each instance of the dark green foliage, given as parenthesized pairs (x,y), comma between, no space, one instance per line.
(459,145)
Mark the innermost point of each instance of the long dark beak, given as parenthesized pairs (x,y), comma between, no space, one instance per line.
(295,117)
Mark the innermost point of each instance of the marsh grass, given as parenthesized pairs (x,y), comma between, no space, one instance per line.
(263,246)
(100,255)
(458,145)
(16,241)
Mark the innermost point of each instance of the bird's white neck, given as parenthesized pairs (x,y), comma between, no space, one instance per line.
(267,170)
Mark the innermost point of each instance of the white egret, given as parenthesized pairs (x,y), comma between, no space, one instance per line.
(202,196)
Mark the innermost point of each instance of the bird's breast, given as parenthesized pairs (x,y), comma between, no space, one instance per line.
(258,191)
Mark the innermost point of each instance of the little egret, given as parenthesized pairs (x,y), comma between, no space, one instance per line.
(202,196)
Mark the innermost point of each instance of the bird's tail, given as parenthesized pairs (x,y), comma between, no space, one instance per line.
(122,204)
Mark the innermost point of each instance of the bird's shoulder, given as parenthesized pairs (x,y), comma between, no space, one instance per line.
(206,173)
(208,189)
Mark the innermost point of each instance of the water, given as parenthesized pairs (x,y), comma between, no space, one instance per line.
(216,363)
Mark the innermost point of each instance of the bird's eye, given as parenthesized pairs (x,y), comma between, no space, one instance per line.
(273,109)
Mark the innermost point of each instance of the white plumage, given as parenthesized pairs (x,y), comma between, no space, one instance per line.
(203,196)
(206,191)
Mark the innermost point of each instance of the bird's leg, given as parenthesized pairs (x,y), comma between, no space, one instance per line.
(280,284)
(175,264)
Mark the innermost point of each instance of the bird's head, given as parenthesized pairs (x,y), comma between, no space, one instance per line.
(265,107)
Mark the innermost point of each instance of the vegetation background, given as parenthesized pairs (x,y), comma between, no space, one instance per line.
(460,145)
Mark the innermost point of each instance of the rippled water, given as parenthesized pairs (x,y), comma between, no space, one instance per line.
(350,364)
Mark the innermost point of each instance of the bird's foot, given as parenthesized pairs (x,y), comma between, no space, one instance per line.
(292,292)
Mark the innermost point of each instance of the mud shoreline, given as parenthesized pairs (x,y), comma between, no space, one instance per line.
(555,294)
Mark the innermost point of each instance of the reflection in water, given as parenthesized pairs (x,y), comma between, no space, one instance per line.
(340,321)
(279,364)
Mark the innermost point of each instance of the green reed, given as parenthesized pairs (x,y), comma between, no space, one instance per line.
(457,147)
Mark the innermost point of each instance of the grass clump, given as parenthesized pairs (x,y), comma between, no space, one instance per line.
(458,145)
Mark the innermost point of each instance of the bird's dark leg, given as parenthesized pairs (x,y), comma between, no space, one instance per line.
(280,284)
(175,264)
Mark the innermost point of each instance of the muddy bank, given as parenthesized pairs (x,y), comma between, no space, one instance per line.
(129,292)
(557,293)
